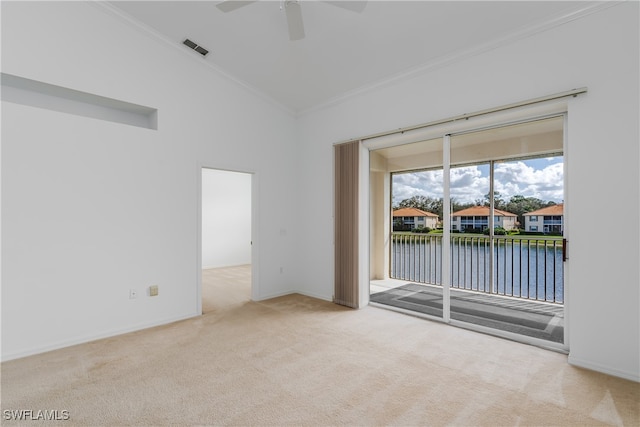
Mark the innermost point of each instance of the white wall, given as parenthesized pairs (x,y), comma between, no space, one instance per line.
(226,218)
(599,51)
(105,207)
(91,209)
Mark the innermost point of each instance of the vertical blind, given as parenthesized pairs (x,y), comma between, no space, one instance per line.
(346,177)
(346,224)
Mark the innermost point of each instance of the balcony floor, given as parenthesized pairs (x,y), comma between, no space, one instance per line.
(521,316)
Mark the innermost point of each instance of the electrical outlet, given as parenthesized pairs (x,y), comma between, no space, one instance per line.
(133,294)
(153,290)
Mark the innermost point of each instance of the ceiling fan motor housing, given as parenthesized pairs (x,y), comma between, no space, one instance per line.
(293,10)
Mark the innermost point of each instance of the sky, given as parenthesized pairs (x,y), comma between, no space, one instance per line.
(541,178)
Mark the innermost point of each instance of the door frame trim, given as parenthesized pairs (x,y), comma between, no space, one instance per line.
(255,288)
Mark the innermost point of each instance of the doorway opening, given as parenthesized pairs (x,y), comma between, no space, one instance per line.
(226,239)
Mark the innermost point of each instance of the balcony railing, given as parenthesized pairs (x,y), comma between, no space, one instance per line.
(528,267)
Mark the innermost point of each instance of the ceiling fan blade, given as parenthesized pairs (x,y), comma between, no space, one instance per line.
(294,20)
(352,5)
(231,5)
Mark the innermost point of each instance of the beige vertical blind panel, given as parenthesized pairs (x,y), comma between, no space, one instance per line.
(346,224)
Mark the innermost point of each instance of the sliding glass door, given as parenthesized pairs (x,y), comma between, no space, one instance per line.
(506,272)
(414,274)
(477,223)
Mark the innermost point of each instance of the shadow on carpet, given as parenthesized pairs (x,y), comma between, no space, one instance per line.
(518,316)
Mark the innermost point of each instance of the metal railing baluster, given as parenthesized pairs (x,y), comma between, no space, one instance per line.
(418,258)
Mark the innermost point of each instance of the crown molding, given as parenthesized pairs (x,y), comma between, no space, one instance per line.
(440,62)
(119,14)
(463,54)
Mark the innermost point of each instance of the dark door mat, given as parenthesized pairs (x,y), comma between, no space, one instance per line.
(479,310)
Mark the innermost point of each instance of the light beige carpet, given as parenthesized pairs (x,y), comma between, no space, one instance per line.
(299,361)
(225,288)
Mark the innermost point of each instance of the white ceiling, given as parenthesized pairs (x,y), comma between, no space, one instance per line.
(343,51)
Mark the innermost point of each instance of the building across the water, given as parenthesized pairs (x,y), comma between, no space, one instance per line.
(477,217)
(412,218)
(546,220)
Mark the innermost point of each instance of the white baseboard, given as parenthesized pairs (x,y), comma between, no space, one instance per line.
(290,292)
(89,338)
(316,296)
(274,295)
(581,363)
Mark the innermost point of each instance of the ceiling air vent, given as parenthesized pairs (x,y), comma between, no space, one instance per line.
(202,51)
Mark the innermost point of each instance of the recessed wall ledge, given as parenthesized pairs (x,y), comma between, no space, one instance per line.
(38,94)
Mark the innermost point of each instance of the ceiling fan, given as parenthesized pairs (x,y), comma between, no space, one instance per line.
(293,11)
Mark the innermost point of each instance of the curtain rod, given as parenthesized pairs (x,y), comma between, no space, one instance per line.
(566,94)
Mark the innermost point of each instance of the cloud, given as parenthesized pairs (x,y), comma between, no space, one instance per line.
(426,183)
(529,178)
(521,177)
(469,183)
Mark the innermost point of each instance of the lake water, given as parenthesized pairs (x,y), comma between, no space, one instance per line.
(521,268)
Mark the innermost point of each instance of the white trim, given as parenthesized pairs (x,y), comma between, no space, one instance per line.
(275,295)
(316,296)
(199,240)
(255,287)
(446,228)
(493,280)
(517,112)
(566,283)
(364,208)
(440,62)
(95,337)
(295,292)
(521,114)
(592,366)
(255,240)
(464,54)
(188,52)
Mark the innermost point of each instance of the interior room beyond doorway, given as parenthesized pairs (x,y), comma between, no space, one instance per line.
(226,238)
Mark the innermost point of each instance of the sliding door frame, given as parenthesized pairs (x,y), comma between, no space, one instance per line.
(501,117)
(446,228)
(446,245)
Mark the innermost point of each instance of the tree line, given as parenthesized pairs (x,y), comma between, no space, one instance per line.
(517,204)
